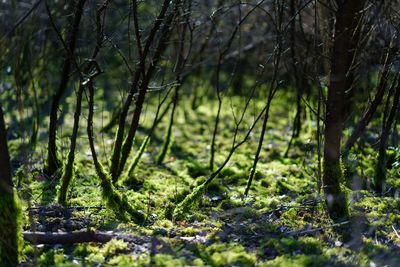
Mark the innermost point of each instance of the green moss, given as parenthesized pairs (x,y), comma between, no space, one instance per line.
(297,261)
(67,177)
(81,250)
(160,231)
(166,260)
(303,245)
(47,258)
(195,169)
(179,195)
(223,214)
(122,261)
(113,247)
(10,225)
(234,176)
(190,202)
(336,198)
(232,254)
(115,201)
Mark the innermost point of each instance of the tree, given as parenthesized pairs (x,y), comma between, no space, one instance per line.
(345,40)
(9,209)
(389,119)
(53,162)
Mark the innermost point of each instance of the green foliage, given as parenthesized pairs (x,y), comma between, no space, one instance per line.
(190,202)
(393,154)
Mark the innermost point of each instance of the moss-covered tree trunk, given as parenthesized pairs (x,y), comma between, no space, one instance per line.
(341,78)
(69,167)
(115,201)
(9,211)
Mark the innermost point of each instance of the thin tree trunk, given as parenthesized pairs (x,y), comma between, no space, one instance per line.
(115,201)
(215,132)
(341,79)
(168,138)
(68,172)
(69,167)
(178,68)
(371,109)
(116,155)
(272,91)
(162,45)
(157,119)
(387,125)
(53,162)
(294,62)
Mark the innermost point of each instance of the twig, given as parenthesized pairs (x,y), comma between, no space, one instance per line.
(21,20)
(395,231)
(302,232)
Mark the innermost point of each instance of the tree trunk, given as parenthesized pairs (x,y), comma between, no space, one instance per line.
(387,124)
(142,92)
(53,162)
(69,167)
(118,145)
(9,211)
(341,78)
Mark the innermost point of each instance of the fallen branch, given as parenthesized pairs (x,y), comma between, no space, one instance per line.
(79,208)
(65,238)
(315,230)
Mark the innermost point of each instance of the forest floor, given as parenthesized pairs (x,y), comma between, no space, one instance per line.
(281,223)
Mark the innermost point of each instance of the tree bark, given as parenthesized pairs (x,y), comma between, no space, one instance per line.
(341,78)
(8,207)
(6,183)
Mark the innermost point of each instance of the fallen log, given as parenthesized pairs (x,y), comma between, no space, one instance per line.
(68,238)
(65,238)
